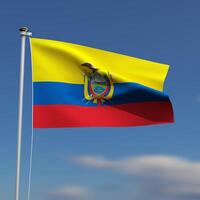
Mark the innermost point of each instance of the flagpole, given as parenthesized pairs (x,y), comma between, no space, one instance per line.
(23,33)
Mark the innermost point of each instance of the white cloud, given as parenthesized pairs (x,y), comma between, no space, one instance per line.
(156,175)
(93,161)
(71,192)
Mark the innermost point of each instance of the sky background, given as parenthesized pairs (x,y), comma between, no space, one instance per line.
(154,162)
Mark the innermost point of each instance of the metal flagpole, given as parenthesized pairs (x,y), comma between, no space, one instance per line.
(23,32)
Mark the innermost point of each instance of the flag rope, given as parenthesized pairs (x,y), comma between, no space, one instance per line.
(30,164)
(32,141)
(31,153)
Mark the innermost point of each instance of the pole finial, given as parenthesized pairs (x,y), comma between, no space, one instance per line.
(25,31)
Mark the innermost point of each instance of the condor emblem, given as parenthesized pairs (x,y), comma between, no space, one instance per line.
(98,86)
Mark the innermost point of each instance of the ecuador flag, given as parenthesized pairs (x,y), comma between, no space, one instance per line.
(79,86)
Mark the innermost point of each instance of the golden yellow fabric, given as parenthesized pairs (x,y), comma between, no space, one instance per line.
(55,61)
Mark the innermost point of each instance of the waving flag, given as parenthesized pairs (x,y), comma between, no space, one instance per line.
(79,86)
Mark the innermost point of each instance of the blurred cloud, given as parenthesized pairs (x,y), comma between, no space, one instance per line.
(70,192)
(158,177)
(198,98)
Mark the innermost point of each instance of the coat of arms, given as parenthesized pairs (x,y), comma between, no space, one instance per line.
(98,86)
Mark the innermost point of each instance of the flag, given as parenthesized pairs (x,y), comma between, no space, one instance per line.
(79,86)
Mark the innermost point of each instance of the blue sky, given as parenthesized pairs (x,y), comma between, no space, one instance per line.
(154,162)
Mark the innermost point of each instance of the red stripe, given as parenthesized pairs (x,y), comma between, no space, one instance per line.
(132,114)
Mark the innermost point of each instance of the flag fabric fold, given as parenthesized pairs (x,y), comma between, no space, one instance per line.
(79,86)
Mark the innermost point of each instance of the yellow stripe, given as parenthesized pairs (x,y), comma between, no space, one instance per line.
(61,62)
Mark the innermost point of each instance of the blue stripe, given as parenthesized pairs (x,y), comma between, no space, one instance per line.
(63,93)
